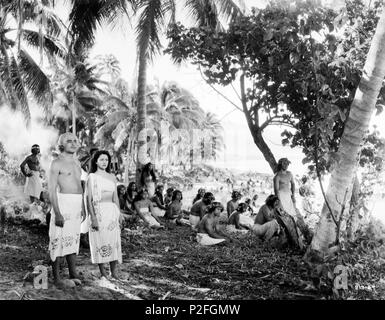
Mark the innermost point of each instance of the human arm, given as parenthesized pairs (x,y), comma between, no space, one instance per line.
(115,198)
(158,203)
(22,167)
(140,214)
(276,184)
(151,207)
(212,231)
(292,187)
(90,205)
(52,186)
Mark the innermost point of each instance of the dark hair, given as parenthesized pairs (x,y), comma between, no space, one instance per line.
(270,200)
(93,150)
(215,205)
(94,159)
(120,187)
(235,194)
(174,193)
(159,186)
(140,195)
(171,189)
(242,207)
(146,171)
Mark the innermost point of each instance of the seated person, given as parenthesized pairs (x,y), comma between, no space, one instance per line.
(199,195)
(233,203)
(236,223)
(265,225)
(159,208)
(168,196)
(198,210)
(122,198)
(249,209)
(174,212)
(208,233)
(254,205)
(144,209)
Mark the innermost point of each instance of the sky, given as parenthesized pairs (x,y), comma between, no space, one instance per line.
(240,151)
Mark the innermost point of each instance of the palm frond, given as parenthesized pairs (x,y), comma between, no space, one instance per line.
(18,85)
(50,44)
(36,81)
(151,21)
(204,12)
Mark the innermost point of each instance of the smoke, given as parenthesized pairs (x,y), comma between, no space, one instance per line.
(17,139)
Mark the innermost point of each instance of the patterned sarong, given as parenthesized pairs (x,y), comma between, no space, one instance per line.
(65,241)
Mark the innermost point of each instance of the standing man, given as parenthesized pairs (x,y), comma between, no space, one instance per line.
(66,195)
(284,187)
(33,185)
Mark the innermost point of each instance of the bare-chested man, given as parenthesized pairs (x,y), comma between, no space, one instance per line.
(284,187)
(66,193)
(33,186)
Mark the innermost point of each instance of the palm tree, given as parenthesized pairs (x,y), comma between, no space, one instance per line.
(152,19)
(19,72)
(363,106)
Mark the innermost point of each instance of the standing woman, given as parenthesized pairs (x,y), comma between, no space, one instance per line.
(148,179)
(103,208)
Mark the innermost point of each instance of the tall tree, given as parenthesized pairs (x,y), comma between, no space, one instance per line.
(151,21)
(361,111)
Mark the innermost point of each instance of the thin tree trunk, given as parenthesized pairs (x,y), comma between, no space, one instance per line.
(73,115)
(141,111)
(361,111)
(256,132)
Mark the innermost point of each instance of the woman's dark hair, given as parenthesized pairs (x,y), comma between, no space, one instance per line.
(174,193)
(270,200)
(120,188)
(215,205)
(170,190)
(242,207)
(129,190)
(139,196)
(146,171)
(94,159)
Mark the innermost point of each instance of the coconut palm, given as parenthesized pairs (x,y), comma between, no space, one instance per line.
(151,21)
(19,72)
(361,111)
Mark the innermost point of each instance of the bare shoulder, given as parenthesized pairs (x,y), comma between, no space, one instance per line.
(55,164)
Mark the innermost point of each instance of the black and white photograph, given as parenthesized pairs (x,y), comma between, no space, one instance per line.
(192,155)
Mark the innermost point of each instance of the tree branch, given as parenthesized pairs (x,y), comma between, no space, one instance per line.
(217,91)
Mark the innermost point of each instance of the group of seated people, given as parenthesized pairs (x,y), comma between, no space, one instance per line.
(138,204)
(205,215)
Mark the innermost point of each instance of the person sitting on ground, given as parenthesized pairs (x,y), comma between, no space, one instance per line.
(122,198)
(253,204)
(148,178)
(249,209)
(233,203)
(174,212)
(144,209)
(199,195)
(130,195)
(265,225)
(168,196)
(157,201)
(208,233)
(198,210)
(235,222)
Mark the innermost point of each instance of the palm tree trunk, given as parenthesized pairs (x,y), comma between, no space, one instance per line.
(73,115)
(361,111)
(141,111)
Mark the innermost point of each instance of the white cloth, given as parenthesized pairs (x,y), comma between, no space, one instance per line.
(149,218)
(287,203)
(150,188)
(194,221)
(266,230)
(33,185)
(64,241)
(230,228)
(158,212)
(105,243)
(205,240)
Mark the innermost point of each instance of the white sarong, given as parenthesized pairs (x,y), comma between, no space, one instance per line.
(33,185)
(194,221)
(287,203)
(158,212)
(65,241)
(105,243)
(205,240)
(147,216)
